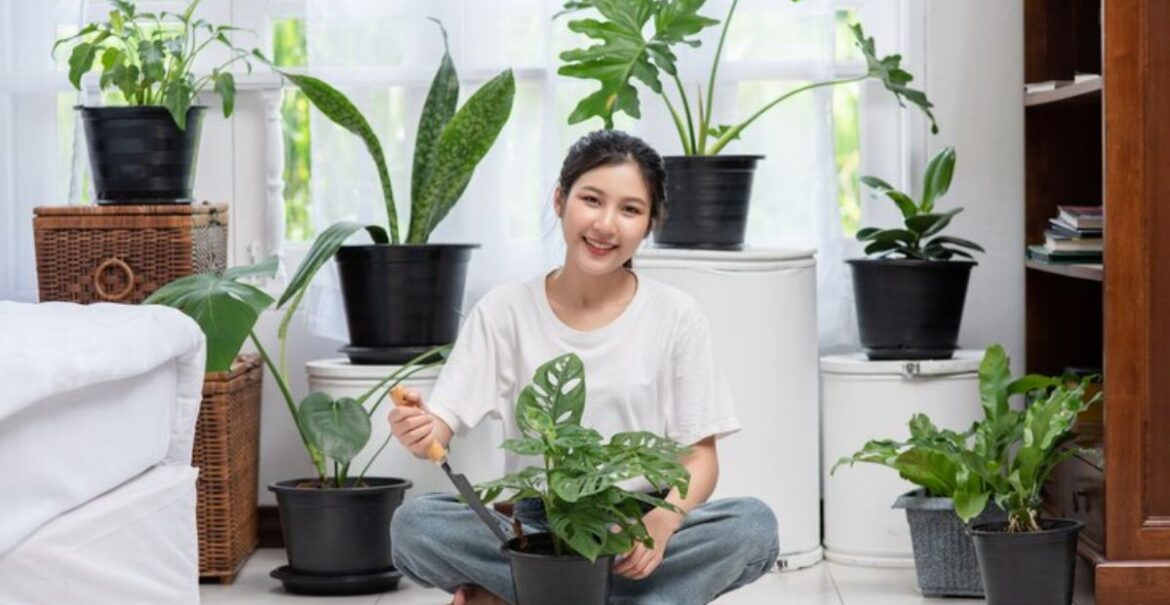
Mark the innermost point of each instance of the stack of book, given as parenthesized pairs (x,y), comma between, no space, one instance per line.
(1073,236)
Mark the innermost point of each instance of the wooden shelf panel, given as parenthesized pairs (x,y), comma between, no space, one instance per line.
(1095,272)
(1086,91)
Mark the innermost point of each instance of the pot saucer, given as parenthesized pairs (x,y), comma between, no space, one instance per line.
(299,582)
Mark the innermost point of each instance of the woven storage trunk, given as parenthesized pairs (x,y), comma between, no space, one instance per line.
(90,254)
(944,556)
(227,441)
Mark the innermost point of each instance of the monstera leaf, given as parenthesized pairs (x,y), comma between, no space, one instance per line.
(225,309)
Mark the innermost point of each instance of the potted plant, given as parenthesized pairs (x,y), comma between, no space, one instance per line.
(336,524)
(709,193)
(590,518)
(1000,463)
(402,294)
(144,152)
(910,291)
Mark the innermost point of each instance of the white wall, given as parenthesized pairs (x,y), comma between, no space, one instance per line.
(975,77)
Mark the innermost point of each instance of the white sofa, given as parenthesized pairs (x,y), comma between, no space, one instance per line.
(97,418)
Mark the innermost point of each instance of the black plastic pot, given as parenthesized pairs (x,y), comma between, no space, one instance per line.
(1033,568)
(707,199)
(401,301)
(540,577)
(909,309)
(338,532)
(138,154)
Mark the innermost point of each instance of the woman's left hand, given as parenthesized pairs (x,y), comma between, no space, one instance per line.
(641,561)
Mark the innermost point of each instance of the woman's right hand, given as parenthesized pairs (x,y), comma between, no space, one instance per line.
(412,425)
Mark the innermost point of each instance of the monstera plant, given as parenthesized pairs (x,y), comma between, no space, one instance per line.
(636,42)
(403,294)
(589,515)
(330,522)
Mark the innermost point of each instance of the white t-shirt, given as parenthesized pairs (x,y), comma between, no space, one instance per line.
(650,369)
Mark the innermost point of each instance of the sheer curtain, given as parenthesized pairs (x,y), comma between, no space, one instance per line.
(383,55)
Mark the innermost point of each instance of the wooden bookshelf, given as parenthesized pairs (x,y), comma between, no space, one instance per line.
(1078,271)
(1106,141)
(1088,91)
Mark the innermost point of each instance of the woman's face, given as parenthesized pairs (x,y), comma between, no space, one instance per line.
(604,217)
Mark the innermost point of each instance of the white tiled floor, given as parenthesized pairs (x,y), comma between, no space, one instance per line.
(823,584)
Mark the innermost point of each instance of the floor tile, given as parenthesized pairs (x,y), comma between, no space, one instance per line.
(883,586)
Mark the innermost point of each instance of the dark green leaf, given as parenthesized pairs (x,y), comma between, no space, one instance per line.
(946,239)
(867,233)
(464,141)
(323,249)
(225,85)
(338,428)
(225,310)
(938,177)
(893,77)
(904,203)
(440,105)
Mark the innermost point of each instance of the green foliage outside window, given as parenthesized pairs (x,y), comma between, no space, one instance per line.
(289,50)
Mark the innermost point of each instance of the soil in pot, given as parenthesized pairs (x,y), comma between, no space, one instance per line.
(1033,568)
(539,576)
(138,155)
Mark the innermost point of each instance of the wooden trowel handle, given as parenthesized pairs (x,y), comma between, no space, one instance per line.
(435,451)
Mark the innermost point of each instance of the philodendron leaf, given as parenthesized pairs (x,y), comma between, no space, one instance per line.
(624,53)
(893,77)
(464,141)
(437,111)
(225,309)
(341,111)
(323,249)
(338,428)
(560,387)
(938,177)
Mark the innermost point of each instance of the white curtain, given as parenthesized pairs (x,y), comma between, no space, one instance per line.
(384,54)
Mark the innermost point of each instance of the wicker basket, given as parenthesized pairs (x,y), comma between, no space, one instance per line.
(92,254)
(227,453)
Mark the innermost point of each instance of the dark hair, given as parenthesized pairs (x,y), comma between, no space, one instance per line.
(610,148)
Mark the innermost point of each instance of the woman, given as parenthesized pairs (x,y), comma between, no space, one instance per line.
(647,353)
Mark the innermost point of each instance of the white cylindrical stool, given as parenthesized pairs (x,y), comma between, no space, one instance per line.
(762,307)
(864,400)
(476,454)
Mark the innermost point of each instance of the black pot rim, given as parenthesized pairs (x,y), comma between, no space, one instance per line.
(725,156)
(290,486)
(1062,525)
(415,246)
(133,108)
(507,549)
(910,262)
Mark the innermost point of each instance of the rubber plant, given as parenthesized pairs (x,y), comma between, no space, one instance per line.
(919,239)
(449,145)
(625,54)
(148,57)
(1006,457)
(227,309)
(588,512)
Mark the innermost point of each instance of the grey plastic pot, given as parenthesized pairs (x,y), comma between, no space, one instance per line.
(944,556)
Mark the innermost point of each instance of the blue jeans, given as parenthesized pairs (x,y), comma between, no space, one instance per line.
(722,545)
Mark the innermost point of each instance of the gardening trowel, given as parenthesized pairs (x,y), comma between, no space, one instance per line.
(438,454)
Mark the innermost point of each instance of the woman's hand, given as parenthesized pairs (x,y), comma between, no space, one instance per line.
(412,425)
(641,561)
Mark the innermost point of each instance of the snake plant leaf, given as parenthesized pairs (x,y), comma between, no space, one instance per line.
(938,176)
(624,54)
(225,309)
(323,249)
(464,141)
(440,105)
(341,111)
(893,77)
(339,428)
